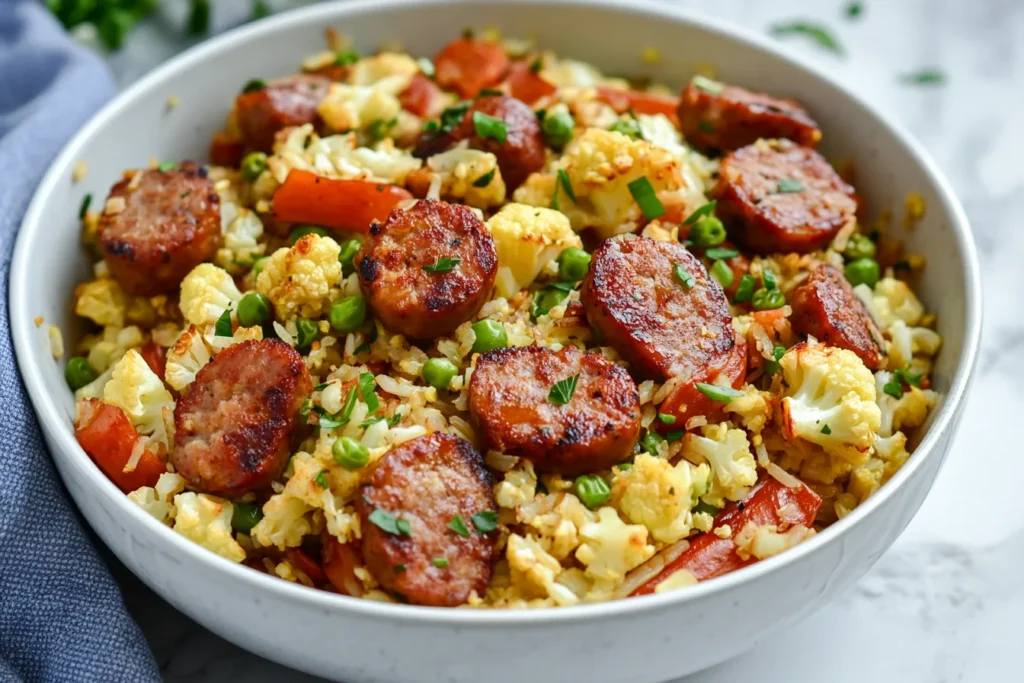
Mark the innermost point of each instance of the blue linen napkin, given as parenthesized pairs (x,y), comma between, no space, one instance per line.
(61,614)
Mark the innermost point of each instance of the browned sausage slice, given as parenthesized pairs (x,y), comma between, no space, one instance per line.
(427,269)
(715,116)
(663,326)
(825,307)
(509,397)
(157,226)
(234,424)
(776,196)
(283,103)
(418,489)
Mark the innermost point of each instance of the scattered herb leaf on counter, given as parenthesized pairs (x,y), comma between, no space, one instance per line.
(924,77)
(854,10)
(816,32)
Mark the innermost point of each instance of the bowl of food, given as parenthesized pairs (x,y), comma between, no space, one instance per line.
(402,336)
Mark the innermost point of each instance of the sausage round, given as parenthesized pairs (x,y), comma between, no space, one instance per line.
(428,482)
(235,423)
(730,117)
(157,226)
(595,429)
(467,65)
(825,307)
(634,298)
(427,269)
(280,104)
(775,196)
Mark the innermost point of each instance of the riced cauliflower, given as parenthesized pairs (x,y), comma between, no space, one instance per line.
(340,156)
(763,541)
(468,175)
(753,409)
(829,400)
(111,345)
(659,495)
(727,451)
(527,238)
(519,486)
(385,65)
(101,301)
(207,521)
(285,522)
(206,292)
(600,165)
(158,500)
(611,548)
(298,280)
(136,390)
(533,565)
(242,231)
(187,357)
(354,107)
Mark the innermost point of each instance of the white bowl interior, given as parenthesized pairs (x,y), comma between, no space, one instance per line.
(141,126)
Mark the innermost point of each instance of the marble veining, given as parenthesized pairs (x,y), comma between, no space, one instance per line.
(943,604)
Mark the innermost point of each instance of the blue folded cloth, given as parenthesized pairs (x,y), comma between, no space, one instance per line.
(61,614)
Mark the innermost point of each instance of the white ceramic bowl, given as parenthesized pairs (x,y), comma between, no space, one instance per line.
(642,639)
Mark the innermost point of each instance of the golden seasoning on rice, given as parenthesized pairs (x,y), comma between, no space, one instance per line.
(497,330)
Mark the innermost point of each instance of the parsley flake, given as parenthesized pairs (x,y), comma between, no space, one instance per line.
(485,179)
(814,32)
(367,391)
(443,265)
(485,521)
(440,562)
(223,326)
(321,482)
(787,185)
(385,521)
(684,276)
(701,212)
(490,128)
(458,525)
(562,390)
(717,393)
(826,430)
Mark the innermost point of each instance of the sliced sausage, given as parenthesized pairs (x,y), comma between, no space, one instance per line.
(688,401)
(775,196)
(422,486)
(635,299)
(422,97)
(283,103)
(467,65)
(509,397)
(235,423)
(527,85)
(719,117)
(825,307)
(157,226)
(427,269)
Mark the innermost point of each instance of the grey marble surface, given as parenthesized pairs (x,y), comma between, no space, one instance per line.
(944,603)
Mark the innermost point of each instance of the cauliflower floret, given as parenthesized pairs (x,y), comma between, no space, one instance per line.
(111,346)
(600,165)
(754,408)
(375,68)
(207,521)
(611,548)
(829,400)
(891,300)
(136,390)
(460,168)
(766,540)
(187,357)
(907,342)
(727,451)
(101,301)
(298,280)
(158,500)
(354,107)
(206,293)
(660,496)
(284,522)
(908,411)
(570,73)
(891,450)
(241,230)
(530,564)
(339,156)
(527,239)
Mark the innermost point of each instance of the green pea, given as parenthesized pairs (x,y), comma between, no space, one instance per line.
(303,230)
(439,372)
(592,490)
(254,164)
(650,442)
(863,271)
(557,128)
(347,254)
(257,265)
(573,264)
(253,309)
(348,314)
(628,127)
(546,299)
(768,299)
(489,335)
(858,247)
(308,332)
(707,232)
(78,373)
(244,516)
(349,453)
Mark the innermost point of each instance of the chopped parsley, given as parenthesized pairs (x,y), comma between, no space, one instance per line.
(367,392)
(745,290)
(901,378)
(675,435)
(772,366)
(380,129)
(814,32)
(826,430)
(392,421)
(643,193)
(787,185)
(561,391)
(701,212)
(458,525)
(667,419)
(489,92)
(443,265)
(684,276)
(706,127)
(450,117)
(321,482)
(346,57)
(254,85)
(717,393)
(385,521)
(398,568)
(490,128)
(536,65)
(485,521)
(440,562)
(854,9)
(485,179)
(223,326)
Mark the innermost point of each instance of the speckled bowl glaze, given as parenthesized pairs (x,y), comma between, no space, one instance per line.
(652,638)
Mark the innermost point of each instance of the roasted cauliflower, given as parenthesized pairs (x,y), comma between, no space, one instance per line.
(298,280)
(136,390)
(527,238)
(468,175)
(207,521)
(611,548)
(206,293)
(241,229)
(727,452)
(101,301)
(187,357)
(659,495)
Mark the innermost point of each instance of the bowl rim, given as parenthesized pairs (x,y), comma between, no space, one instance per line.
(50,414)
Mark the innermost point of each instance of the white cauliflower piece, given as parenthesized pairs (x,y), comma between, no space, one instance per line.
(518,486)
(570,73)
(241,230)
(339,156)
(101,301)
(285,522)
(532,565)
(187,357)
(727,451)
(611,548)
(207,521)
(136,390)
(765,540)
(659,495)
(385,65)
(206,293)
(829,400)
(908,411)
(355,107)
(298,280)
(600,165)
(754,408)
(158,500)
(460,168)
(891,300)
(112,344)
(527,238)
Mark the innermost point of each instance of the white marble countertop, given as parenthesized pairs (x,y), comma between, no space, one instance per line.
(944,603)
